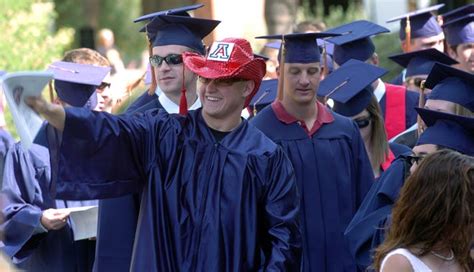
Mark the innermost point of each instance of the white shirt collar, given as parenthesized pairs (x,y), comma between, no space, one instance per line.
(380,90)
(172,107)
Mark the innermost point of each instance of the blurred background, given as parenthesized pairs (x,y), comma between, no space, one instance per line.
(35,33)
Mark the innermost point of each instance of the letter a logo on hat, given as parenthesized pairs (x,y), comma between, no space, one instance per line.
(220,51)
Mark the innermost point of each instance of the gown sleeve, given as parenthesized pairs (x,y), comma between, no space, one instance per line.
(23,187)
(103,155)
(367,229)
(282,208)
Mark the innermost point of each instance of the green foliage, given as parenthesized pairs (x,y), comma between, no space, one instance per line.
(28,41)
(386,45)
(116,15)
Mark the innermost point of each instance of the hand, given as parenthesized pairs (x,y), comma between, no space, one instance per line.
(53,219)
(55,114)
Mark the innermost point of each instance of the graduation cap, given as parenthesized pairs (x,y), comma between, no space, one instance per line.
(456,13)
(350,86)
(422,61)
(451,84)
(181,11)
(460,30)
(419,23)
(265,95)
(274,45)
(265,58)
(355,42)
(180,30)
(447,130)
(300,47)
(327,50)
(75,83)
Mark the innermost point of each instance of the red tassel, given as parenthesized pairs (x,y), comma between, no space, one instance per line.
(183,102)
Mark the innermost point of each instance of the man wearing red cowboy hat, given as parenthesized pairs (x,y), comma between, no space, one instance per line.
(169,34)
(218,194)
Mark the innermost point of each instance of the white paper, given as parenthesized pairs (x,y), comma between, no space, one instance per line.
(17,86)
(84,221)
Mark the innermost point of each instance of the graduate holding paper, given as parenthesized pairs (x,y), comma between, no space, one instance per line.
(218,195)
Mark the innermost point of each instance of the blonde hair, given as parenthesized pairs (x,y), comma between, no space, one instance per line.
(378,138)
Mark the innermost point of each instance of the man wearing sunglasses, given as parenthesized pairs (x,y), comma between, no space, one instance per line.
(218,195)
(169,36)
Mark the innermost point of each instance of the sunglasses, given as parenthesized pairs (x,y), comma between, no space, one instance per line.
(412,159)
(220,81)
(171,59)
(103,85)
(362,123)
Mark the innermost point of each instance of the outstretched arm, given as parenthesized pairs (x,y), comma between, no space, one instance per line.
(53,113)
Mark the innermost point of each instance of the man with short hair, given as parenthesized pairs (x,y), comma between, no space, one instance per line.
(459,28)
(419,30)
(218,195)
(332,168)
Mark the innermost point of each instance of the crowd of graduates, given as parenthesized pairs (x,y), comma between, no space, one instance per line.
(301,159)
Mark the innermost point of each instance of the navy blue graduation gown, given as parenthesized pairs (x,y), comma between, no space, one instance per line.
(399,149)
(142,100)
(6,141)
(333,175)
(118,217)
(206,205)
(27,181)
(367,229)
(411,102)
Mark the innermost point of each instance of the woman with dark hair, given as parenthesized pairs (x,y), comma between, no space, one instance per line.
(432,225)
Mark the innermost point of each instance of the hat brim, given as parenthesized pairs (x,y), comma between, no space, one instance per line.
(252,70)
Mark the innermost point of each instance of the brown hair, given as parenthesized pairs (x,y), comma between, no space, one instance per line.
(85,56)
(378,138)
(435,207)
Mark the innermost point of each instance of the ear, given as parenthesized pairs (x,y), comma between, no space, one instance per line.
(451,52)
(249,86)
(375,59)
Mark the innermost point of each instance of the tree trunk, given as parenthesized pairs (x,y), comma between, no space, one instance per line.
(280,16)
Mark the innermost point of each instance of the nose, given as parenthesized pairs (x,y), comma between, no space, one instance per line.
(304,79)
(164,66)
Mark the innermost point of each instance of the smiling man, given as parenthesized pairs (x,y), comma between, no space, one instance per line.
(169,35)
(332,168)
(218,195)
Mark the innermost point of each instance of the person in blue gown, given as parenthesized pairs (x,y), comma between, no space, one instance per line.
(368,227)
(169,36)
(350,88)
(419,29)
(332,168)
(397,104)
(38,235)
(218,195)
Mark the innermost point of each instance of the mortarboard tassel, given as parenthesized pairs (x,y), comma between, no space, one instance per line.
(325,60)
(408,35)
(421,104)
(153,85)
(129,89)
(183,103)
(51,93)
(282,70)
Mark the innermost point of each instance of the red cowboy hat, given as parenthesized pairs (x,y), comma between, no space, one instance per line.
(229,58)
